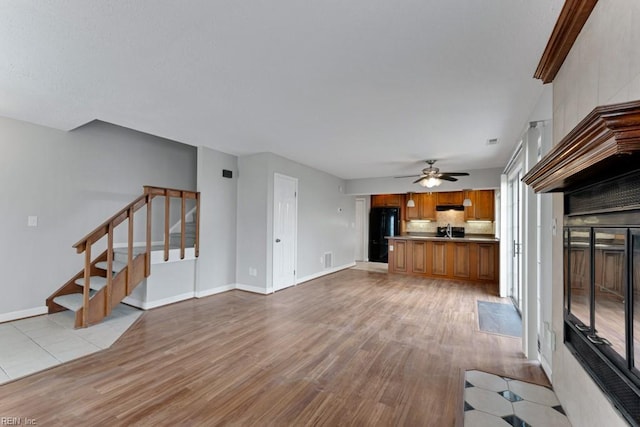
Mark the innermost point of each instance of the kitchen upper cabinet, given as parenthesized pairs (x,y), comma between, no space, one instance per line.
(482,205)
(390,200)
(425,207)
(449,198)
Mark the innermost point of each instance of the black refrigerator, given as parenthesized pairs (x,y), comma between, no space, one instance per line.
(382,222)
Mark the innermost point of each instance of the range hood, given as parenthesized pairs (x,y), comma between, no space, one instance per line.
(441,208)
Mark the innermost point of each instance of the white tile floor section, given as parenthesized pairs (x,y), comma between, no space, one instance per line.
(494,401)
(37,343)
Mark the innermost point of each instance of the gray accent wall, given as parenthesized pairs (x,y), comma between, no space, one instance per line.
(72,181)
(252,223)
(326,219)
(216,266)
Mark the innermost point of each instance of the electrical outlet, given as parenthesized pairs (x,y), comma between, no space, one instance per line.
(253,271)
(32,221)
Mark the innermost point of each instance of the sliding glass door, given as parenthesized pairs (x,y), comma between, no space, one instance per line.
(514,203)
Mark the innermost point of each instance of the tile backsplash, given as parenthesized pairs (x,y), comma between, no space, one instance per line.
(455,218)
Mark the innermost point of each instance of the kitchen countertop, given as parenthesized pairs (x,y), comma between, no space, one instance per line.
(432,236)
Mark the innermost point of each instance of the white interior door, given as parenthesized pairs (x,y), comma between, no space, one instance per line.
(361,235)
(285,230)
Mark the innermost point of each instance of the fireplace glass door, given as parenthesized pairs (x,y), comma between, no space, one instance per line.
(610,286)
(635,285)
(579,277)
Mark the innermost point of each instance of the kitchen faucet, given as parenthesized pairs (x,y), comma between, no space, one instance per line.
(449,235)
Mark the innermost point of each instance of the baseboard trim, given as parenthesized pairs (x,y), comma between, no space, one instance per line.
(148,305)
(250,288)
(217,290)
(325,272)
(21,314)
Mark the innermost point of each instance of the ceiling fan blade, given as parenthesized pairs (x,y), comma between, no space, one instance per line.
(419,179)
(407,176)
(455,173)
(448,178)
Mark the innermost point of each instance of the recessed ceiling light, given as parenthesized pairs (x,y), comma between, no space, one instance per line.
(492,141)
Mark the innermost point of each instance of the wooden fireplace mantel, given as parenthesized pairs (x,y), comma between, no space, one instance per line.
(604,144)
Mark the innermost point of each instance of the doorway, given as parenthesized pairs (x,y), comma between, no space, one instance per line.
(285,231)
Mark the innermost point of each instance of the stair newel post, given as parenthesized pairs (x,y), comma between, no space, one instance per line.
(183,227)
(109,269)
(148,257)
(197,242)
(166,224)
(130,251)
(87,284)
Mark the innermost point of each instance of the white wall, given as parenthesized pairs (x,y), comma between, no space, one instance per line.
(326,219)
(478,179)
(602,68)
(72,181)
(216,266)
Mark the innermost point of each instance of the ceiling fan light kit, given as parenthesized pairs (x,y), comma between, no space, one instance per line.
(430,182)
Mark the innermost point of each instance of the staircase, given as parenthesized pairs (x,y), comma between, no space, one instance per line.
(108,278)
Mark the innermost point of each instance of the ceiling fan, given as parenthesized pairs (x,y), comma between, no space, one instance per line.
(432,177)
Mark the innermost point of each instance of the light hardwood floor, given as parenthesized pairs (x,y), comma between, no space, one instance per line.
(352,348)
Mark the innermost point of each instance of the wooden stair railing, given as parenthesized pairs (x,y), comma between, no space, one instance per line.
(97,301)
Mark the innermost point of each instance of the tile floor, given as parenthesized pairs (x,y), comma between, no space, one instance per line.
(493,401)
(37,343)
(377,267)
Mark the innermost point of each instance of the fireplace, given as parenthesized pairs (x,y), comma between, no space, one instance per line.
(597,167)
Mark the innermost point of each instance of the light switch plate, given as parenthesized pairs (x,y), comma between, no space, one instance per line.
(32,221)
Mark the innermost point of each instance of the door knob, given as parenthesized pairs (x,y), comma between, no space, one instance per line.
(277,240)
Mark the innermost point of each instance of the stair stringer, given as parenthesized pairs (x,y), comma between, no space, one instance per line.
(71,287)
(101,303)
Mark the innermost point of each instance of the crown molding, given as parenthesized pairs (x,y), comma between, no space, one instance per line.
(606,143)
(573,16)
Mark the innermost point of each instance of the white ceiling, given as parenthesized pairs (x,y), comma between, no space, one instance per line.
(357,88)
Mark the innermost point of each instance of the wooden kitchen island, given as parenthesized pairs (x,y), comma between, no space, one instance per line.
(473,259)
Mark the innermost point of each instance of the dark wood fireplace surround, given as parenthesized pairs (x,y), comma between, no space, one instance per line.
(597,167)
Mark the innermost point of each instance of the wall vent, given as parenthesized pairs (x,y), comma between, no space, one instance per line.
(328,259)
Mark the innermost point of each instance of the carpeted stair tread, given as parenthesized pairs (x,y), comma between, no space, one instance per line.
(72,302)
(116,266)
(96,283)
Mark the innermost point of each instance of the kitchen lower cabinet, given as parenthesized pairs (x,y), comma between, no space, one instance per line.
(419,257)
(446,259)
(400,256)
(461,268)
(487,261)
(439,259)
